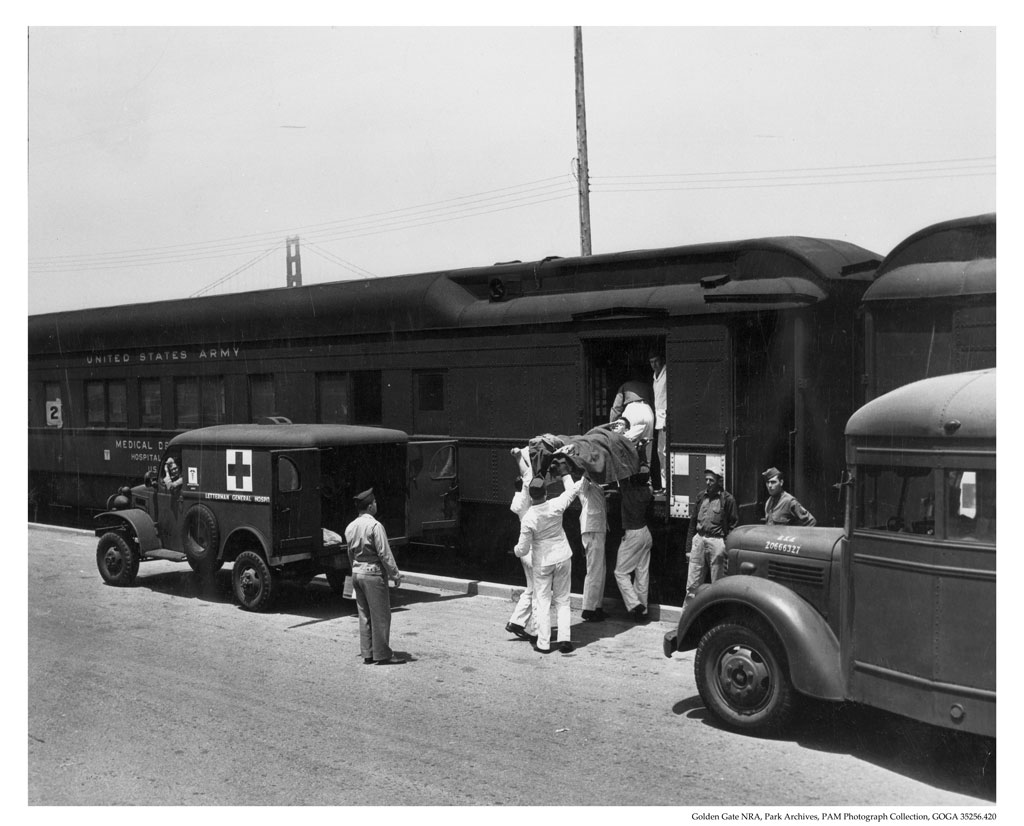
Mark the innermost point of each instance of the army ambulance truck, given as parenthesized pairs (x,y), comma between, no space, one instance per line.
(898,609)
(274,500)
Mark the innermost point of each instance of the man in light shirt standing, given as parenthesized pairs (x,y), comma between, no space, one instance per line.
(660,383)
(522,623)
(369,554)
(593,529)
(541,534)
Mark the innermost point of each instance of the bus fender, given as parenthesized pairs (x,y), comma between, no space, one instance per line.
(812,648)
(134,519)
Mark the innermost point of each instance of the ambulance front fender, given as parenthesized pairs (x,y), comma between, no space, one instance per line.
(134,519)
(812,648)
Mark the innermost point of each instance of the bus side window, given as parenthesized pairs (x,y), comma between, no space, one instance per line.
(971,505)
(898,500)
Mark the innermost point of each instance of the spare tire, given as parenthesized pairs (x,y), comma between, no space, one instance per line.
(201,539)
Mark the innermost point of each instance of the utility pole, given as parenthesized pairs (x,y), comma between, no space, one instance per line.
(293,262)
(582,170)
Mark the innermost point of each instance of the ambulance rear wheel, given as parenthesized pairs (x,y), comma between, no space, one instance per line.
(202,540)
(117,559)
(253,582)
(743,677)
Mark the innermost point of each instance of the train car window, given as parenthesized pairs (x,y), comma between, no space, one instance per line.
(262,396)
(51,391)
(117,402)
(332,398)
(150,409)
(211,399)
(971,505)
(366,397)
(106,403)
(430,392)
(95,403)
(186,402)
(287,474)
(899,500)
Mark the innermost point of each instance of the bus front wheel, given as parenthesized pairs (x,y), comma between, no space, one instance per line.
(743,677)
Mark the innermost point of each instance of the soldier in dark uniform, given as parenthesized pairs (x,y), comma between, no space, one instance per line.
(782,507)
(713,515)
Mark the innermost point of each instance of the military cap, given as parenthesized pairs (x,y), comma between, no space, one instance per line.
(771,473)
(364,499)
(710,472)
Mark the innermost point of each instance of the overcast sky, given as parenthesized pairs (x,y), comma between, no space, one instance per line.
(162,160)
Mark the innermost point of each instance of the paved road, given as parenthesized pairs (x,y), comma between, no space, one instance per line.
(167,693)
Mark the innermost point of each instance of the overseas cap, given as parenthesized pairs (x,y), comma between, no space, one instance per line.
(364,499)
(771,473)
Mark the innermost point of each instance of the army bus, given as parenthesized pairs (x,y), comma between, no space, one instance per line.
(897,610)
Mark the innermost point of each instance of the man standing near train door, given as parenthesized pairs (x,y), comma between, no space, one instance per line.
(660,382)
(782,507)
(714,515)
(593,530)
(634,555)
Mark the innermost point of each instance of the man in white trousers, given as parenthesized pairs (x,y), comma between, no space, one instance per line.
(521,623)
(634,556)
(541,534)
(593,529)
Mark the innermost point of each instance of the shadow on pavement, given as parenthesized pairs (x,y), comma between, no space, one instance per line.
(314,600)
(949,760)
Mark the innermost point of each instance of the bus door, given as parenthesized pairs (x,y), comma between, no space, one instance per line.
(433,489)
(922,593)
(295,501)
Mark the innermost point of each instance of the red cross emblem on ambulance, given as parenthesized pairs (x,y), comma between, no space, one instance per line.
(239,470)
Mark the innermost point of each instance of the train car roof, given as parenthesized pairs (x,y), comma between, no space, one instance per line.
(930,408)
(284,436)
(761,274)
(952,258)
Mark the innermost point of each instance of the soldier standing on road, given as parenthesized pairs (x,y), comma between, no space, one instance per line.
(369,554)
(714,515)
(782,507)
(634,555)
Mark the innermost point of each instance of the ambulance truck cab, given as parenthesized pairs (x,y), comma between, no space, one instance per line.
(274,500)
(895,611)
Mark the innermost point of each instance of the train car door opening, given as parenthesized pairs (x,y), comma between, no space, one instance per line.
(764,433)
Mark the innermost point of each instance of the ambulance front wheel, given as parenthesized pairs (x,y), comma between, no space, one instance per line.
(253,582)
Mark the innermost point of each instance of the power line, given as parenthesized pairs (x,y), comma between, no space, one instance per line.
(246,242)
(527,194)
